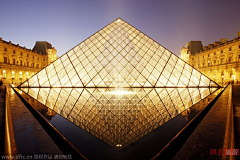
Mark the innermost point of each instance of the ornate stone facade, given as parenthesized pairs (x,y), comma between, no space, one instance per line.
(19,63)
(219,61)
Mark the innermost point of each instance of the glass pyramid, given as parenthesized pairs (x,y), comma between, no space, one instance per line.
(119,85)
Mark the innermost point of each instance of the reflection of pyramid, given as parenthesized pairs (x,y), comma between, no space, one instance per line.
(119,84)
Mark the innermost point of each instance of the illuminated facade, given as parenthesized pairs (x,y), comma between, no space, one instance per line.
(119,85)
(219,61)
(18,63)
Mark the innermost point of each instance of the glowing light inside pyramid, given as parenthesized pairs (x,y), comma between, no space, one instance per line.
(115,84)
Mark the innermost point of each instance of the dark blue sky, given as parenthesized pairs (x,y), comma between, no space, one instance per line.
(66,23)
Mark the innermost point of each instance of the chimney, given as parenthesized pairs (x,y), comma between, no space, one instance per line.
(224,40)
(238,34)
(216,43)
(205,48)
(210,46)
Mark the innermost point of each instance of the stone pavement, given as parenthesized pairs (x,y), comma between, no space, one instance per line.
(207,139)
(236,109)
(2,118)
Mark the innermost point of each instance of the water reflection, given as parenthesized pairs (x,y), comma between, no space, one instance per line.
(190,113)
(117,117)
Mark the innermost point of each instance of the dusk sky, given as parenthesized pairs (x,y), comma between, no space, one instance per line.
(66,23)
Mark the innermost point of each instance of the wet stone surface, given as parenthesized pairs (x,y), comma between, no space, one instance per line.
(30,137)
(236,109)
(209,134)
(2,118)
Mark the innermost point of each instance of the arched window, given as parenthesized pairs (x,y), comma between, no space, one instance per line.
(4,73)
(20,74)
(27,74)
(13,74)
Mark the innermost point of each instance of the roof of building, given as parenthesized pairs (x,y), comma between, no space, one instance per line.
(41,47)
(194,46)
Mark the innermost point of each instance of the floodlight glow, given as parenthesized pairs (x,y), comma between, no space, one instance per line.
(120,92)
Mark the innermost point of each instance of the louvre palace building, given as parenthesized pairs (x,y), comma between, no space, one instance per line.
(219,61)
(18,63)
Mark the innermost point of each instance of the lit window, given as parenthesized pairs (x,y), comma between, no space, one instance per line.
(13,74)
(4,73)
(27,74)
(5,59)
(20,74)
(209,63)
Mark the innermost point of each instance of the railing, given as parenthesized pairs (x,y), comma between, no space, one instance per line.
(10,146)
(229,140)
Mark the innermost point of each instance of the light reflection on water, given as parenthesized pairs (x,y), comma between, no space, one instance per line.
(118,117)
(158,134)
